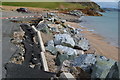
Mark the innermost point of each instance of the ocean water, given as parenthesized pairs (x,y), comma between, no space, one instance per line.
(106,25)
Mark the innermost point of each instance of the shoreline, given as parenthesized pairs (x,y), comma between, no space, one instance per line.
(105,30)
(98,42)
(101,36)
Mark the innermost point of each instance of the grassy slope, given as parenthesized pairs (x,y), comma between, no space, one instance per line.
(49,5)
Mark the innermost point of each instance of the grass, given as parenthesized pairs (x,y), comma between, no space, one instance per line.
(49,5)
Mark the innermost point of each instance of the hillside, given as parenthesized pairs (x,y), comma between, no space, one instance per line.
(89,8)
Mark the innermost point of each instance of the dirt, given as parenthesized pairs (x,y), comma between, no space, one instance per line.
(51,63)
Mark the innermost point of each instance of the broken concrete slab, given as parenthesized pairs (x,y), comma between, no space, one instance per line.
(64,39)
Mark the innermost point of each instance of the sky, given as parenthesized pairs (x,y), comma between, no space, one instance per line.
(107,3)
(106,0)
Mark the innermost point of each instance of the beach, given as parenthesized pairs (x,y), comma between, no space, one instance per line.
(63,41)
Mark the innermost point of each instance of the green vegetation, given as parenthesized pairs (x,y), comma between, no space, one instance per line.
(49,5)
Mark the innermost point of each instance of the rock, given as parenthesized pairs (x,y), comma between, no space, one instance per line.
(65,66)
(76,13)
(72,28)
(66,53)
(35,61)
(41,26)
(75,31)
(51,49)
(63,21)
(55,26)
(85,62)
(16,41)
(44,28)
(66,50)
(104,68)
(114,72)
(19,34)
(32,65)
(50,43)
(53,29)
(64,39)
(60,58)
(53,18)
(17,59)
(51,14)
(83,44)
(77,37)
(18,37)
(59,26)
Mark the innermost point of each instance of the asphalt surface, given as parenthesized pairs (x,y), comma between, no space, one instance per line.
(8,27)
(32,51)
(10,70)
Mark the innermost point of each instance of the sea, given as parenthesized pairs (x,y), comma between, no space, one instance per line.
(106,26)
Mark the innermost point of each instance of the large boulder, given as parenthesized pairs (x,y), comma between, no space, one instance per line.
(104,68)
(85,62)
(66,53)
(43,27)
(51,48)
(82,43)
(60,58)
(67,50)
(64,39)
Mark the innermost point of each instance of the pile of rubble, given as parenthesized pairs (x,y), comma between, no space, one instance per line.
(69,47)
(17,39)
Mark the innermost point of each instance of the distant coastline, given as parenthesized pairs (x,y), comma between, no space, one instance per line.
(111,9)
